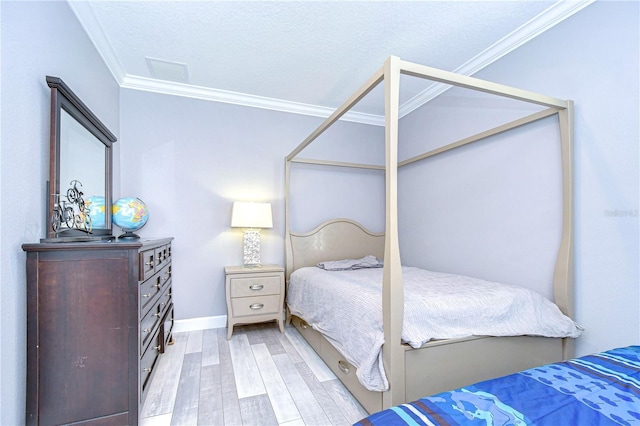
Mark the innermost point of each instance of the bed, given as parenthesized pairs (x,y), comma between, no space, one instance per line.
(598,389)
(439,364)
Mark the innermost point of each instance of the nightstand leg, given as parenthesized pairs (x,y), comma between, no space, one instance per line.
(229,331)
(281,325)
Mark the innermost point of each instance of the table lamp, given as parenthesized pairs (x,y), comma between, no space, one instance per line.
(252,217)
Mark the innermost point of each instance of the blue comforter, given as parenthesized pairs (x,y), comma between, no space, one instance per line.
(599,389)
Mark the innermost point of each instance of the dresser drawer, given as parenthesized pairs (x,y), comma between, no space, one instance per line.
(163,256)
(150,288)
(165,301)
(255,286)
(245,306)
(148,363)
(166,327)
(149,325)
(147,264)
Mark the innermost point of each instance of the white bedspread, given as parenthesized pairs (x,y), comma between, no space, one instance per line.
(346,307)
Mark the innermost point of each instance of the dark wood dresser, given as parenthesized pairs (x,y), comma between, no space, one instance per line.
(99,314)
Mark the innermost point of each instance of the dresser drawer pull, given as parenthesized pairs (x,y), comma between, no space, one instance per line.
(257,306)
(157,348)
(343,367)
(157,285)
(146,330)
(146,370)
(304,325)
(146,295)
(156,315)
(149,263)
(256,287)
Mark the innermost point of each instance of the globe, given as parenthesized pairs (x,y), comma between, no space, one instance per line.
(130,214)
(96,207)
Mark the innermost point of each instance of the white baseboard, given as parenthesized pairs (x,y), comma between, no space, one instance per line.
(195,324)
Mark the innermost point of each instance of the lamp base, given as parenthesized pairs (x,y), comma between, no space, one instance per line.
(251,248)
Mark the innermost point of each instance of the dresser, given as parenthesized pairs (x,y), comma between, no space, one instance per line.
(99,314)
(254,294)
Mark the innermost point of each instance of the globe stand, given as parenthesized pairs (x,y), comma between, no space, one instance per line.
(129,235)
(130,214)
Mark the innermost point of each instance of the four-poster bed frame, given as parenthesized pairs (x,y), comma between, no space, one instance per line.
(445,364)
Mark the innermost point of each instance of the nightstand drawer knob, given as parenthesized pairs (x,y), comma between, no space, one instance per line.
(257,306)
(256,287)
(343,367)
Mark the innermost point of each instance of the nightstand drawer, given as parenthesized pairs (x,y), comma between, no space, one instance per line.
(255,286)
(245,306)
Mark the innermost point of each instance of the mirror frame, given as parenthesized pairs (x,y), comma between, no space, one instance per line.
(63,98)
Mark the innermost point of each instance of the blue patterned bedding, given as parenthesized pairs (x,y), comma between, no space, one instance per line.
(599,389)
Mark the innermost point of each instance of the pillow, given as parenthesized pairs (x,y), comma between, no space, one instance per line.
(369,261)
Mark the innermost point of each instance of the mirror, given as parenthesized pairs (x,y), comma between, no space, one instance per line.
(79,187)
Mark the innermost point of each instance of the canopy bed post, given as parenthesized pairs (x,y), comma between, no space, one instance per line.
(392,291)
(287,231)
(563,273)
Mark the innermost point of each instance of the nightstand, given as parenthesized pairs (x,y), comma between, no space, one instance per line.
(254,295)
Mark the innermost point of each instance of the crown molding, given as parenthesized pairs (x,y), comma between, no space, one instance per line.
(217,95)
(552,16)
(95,32)
(547,19)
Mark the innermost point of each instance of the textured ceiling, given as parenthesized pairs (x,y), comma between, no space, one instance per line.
(303,56)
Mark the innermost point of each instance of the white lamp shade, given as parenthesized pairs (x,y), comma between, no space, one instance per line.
(251,215)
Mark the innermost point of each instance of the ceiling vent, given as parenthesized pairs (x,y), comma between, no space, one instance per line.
(167,70)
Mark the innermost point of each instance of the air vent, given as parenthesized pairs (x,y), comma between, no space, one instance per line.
(167,70)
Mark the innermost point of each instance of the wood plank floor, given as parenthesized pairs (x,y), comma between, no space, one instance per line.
(259,377)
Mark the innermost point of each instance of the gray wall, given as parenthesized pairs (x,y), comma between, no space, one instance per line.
(189,159)
(593,59)
(38,39)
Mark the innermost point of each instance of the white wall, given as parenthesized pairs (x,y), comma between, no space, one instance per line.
(38,39)
(189,159)
(491,209)
(593,59)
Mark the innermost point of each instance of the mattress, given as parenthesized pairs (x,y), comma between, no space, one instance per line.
(346,307)
(599,389)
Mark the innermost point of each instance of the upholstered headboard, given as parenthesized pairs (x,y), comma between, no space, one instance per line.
(332,240)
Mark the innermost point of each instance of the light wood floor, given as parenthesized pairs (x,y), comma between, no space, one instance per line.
(259,377)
